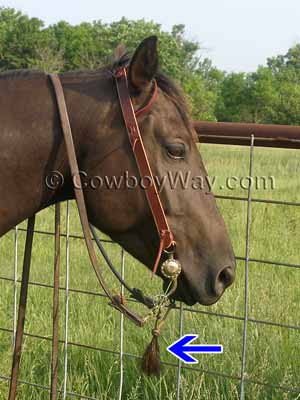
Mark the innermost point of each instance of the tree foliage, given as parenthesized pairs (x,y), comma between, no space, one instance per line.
(271,94)
(26,43)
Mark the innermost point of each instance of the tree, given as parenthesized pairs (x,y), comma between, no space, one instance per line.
(26,43)
(19,36)
(233,101)
(262,96)
(271,94)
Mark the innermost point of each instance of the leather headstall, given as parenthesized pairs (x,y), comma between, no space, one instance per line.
(130,118)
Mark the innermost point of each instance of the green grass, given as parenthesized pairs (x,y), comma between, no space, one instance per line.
(273,353)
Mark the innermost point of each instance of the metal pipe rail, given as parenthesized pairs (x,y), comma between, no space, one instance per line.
(280,136)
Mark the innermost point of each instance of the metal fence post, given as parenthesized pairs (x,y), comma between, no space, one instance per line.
(66,300)
(15,283)
(247,256)
(178,377)
(122,329)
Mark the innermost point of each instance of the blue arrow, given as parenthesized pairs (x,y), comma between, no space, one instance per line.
(181,348)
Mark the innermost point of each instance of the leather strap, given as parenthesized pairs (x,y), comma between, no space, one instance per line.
(132,127)
(147,107)
(135,293)
(66,128)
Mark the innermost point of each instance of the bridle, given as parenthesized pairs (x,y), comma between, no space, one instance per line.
(130,118)
(171,268)
(162,304)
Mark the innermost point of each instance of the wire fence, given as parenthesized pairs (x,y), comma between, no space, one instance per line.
(240,378)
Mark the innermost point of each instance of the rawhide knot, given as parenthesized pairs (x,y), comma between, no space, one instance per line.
(155,332)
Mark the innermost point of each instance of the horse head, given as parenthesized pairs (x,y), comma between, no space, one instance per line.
(122,211)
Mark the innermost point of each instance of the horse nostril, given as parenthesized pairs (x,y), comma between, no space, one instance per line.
(224,279)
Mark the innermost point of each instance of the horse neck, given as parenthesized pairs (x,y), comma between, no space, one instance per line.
(34,143)
(91,104)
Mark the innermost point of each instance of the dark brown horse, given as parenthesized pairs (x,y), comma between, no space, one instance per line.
(32,146)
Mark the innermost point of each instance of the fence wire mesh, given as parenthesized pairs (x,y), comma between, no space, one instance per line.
(240,379)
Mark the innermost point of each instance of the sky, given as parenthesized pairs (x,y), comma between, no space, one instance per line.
(237,35)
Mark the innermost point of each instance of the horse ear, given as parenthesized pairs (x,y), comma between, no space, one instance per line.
(144,63)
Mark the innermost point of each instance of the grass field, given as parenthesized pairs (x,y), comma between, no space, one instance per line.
(273,353)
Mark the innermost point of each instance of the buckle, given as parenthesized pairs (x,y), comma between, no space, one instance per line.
(119,72)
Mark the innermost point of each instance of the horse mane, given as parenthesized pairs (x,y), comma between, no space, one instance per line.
(121,59)
(21,74)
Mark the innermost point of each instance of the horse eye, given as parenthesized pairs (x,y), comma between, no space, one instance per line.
(176,150)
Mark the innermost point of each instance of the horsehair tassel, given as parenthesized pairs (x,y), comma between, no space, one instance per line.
(151,357)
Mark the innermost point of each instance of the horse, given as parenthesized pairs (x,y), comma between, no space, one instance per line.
(32,147)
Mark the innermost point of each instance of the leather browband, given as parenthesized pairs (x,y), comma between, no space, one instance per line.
(132,127)
(147,107)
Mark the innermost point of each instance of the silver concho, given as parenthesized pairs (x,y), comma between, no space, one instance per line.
(171,268)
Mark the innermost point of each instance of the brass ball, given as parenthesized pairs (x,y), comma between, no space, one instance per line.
(171,268)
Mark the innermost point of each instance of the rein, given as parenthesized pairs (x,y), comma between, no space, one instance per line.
(161,305)
(167,242)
